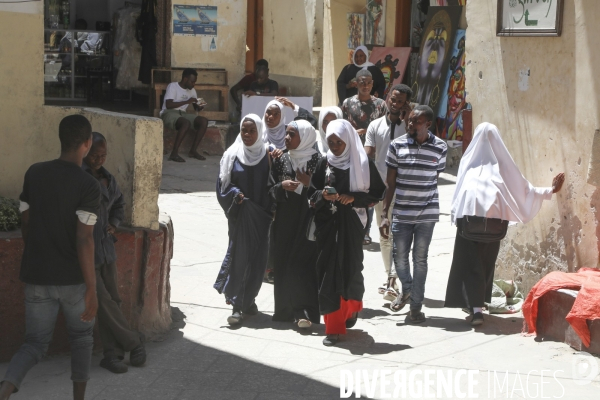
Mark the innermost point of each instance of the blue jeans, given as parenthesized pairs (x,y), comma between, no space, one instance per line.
(41,309)
(404,234)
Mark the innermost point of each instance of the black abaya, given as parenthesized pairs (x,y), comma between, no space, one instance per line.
(291,255)
(339,233)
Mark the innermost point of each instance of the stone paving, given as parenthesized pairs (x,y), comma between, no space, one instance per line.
(203,358)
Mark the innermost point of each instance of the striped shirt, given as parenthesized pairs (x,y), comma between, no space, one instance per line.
(416,181)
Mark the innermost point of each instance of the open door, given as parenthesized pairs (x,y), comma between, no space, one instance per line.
(254,34)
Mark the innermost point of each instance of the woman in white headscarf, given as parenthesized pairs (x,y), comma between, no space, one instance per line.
(243,193)
(327,115)
(489,189)
(291,255)
(346,82)
(274,122)
(345,182)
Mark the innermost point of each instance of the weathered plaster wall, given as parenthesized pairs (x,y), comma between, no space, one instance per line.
(29,130)
(336,40)
(231,41)
(542,94)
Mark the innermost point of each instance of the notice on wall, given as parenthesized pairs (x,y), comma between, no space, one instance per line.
(194,20)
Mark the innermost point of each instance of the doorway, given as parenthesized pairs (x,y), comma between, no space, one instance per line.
(254,34)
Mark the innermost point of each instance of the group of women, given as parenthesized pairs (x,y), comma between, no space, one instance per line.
(296,200)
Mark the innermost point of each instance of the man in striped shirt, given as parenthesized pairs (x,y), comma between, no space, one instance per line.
(414,162)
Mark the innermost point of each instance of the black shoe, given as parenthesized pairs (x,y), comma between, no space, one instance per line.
(350,322)
(252,310)
(331,340)
(415,316)
(137,356)
(477,319)
(114,365)
(235,318)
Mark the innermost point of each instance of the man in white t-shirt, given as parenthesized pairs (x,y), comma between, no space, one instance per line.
(380,133)
(178,97)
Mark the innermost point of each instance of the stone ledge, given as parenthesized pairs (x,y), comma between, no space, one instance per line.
(553,308)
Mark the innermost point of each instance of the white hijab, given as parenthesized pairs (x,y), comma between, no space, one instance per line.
(247,155)
(489,183)
(275,136)
(305,151)
(367,63)
(322,142)
(353,157)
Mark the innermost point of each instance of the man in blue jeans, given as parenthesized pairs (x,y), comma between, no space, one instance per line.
(414,163)
(59,206)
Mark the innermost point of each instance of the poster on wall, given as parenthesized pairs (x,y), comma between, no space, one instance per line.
(194,20)
(375,22)
(449,118)
(356,30)
(529,18)
(434,55)
(392,62)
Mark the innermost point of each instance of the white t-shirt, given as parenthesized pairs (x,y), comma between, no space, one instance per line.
(177,93)
(378,136)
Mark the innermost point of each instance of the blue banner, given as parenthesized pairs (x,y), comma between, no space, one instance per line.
(194,20)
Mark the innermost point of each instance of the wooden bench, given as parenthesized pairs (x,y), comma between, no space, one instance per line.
(208,80)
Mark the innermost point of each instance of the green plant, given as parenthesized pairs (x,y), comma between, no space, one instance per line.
(10,218)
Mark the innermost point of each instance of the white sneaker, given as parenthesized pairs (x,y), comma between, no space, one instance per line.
(304,324)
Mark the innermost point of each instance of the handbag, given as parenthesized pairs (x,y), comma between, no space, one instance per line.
(481,229)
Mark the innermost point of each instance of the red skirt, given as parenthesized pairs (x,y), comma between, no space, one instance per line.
(335,322)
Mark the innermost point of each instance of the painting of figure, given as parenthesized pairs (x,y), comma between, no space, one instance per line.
(375,22)
(434,55)
(392,61)
(449,122)
(356,30)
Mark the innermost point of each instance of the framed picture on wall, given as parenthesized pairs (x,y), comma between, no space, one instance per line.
(529,18)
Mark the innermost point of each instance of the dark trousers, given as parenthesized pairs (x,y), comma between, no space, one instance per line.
(117,337)
(472,273)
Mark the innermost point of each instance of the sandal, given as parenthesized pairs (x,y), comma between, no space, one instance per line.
(400,301)
(367,240)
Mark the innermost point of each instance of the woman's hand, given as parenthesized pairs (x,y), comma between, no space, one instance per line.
(286,102)
(304,178)
(290,185)
(557,182)
(276,153)
(329,197)
(346,199)
(239,198)
(351,84)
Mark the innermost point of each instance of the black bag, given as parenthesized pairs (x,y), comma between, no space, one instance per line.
(481,229)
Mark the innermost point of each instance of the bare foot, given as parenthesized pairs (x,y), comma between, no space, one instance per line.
(197,156)
(176,158)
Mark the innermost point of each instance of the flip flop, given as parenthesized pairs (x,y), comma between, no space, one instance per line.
(400,302)
(176,158)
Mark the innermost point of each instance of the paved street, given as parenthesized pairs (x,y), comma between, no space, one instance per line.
(203,358)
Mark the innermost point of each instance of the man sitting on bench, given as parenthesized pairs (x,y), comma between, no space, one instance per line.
(178,97)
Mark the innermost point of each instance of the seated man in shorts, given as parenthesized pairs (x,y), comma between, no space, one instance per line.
(178,97)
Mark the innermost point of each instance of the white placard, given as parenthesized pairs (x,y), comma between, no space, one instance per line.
(529,17)
(257,104)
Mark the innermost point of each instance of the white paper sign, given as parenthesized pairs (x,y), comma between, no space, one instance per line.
(523,17)
(257,104)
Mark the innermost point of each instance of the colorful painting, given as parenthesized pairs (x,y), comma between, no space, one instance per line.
(434,55)
(375,22)
(392,61)
(444,3)
(356,30)
(449,121)
(417,22)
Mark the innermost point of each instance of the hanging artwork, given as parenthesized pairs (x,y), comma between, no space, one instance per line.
(449,121)
(375,22)
(356,30)
(434,55)
(392,61)
(443,3)
(418,15)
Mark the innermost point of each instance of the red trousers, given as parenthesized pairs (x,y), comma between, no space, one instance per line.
(335,322)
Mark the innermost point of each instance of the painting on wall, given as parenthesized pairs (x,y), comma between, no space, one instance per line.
(356,30)
(434,55)
(392,61)
(444,3)
(375,22)
(449,117)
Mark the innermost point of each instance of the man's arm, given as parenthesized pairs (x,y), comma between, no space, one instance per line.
(235,94)
(170,104)
(24,224)
(384,227)
(85,255)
